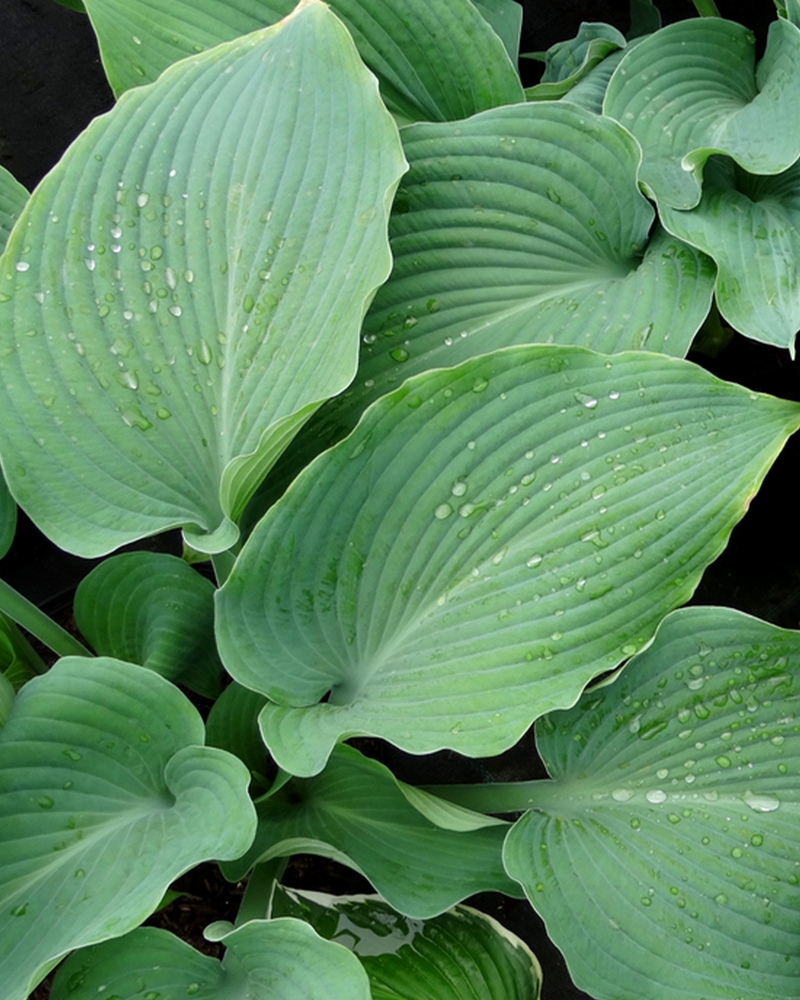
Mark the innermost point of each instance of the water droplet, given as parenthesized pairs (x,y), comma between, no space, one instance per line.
(586,400)
(19,911)
(613,394)
(203,352)
(176,310)
(656,796)
(89,264)
(622,794)
(479,384)
(442,511)
(723,761)
(399,354)
(761,803)
(660,515)
(156,253)
(459,489)
(80,873)
(45,802)
(534,561)
(636,823)
(757,840)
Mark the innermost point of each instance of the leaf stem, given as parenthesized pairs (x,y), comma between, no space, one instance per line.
(500,797)
(257,900)
(706,8)
(35,621)
(223,564)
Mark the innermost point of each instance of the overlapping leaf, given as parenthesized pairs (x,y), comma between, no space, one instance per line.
(750,225)
(188,284)
(434,59)
(13,198)
(356,812)
(489,538)
(8,517)
(280,959)
(106,796)
(520,225)
(664,856)
(691,90)
(459,955)
(153,609)
(568,62)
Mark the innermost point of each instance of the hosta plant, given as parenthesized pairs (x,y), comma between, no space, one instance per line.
(399,346)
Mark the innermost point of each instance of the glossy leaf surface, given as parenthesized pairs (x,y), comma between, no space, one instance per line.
(664,854)
(106,796)
(264,960)
(434,59)
(749,225)
(459,955)
(489,539)
(356,812)
(153,609)
(691,89)
(188,285)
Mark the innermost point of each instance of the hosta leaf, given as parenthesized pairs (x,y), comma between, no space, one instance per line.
(520,225)
(664,856)
(489,539)
(8,517)
(232,725)
(691,90)
(106,796)
(13,198)
(188,284)
(264,960)
(505,16)
(153,609)
(459,955)
(566,63)
(590,92)
(749,225)
(356,812)
(434,59)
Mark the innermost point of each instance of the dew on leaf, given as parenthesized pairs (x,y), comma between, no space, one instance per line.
(399,354)
(442,511)
(761,803)
(656,796)
(723,761)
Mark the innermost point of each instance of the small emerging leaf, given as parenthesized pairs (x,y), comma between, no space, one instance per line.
(567,63)
(153,609)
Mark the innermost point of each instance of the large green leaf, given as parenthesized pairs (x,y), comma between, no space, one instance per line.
(505,16)
(691,90)
(106,796)
(749,225)
(8,517)
(520,225)
(664,856)
(489,539)
(153,609)
(280,959)
(188,285)
(356,811)
(13,198)
(459,955)
(434,59)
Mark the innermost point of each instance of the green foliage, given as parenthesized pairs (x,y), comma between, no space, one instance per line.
(404,353)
